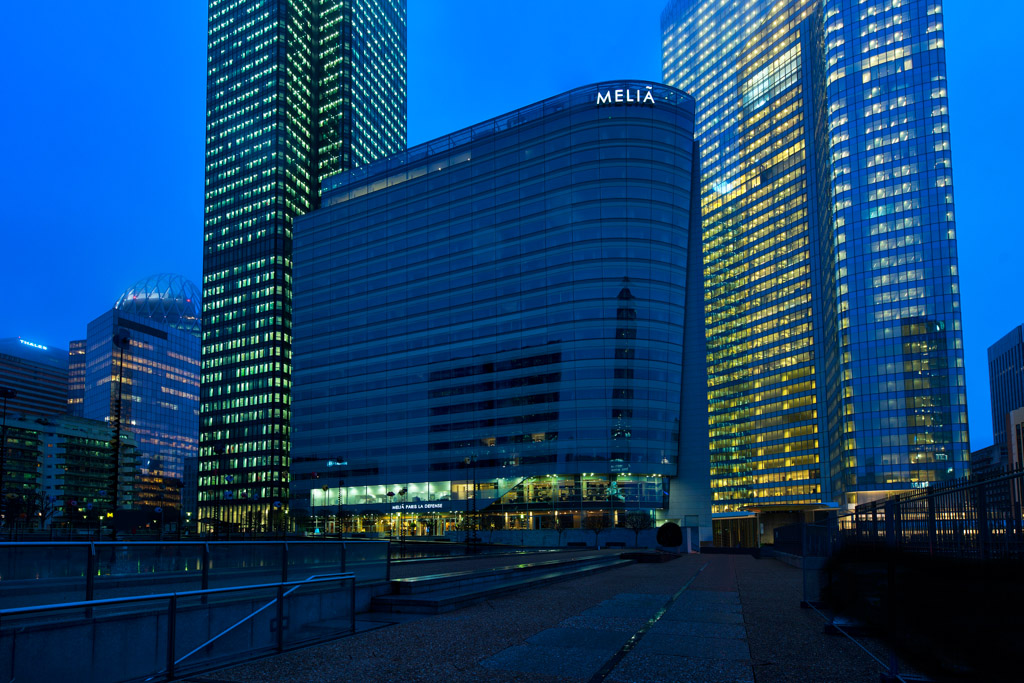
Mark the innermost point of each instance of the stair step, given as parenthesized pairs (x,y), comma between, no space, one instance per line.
(474,577)
(438,601)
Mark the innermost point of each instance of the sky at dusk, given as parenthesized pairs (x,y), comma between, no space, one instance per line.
(103,113)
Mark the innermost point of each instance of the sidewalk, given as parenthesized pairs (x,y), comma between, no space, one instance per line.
(698,618)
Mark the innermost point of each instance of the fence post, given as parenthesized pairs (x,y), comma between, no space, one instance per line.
(280,618)
(981,520)
(90,571)
(206,566)
(932,541)
(172,626)
(874,521)
(284,562)
(344,556)
(890,523)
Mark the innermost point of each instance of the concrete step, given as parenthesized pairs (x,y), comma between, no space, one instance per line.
(450,580)
(439,601)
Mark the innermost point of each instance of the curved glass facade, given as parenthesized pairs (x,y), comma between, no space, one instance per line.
(507,304)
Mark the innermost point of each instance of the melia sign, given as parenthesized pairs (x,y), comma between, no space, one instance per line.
(625,96)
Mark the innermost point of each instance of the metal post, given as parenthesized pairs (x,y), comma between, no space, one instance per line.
(932,532)
(981,520)
(280,618)
(172,626)
(90,572)
(341,484)
(284,562)
(206,566)
(474,522)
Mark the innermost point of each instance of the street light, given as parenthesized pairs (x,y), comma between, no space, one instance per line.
(341,485)
(5,393)
(323,504)
(471,522)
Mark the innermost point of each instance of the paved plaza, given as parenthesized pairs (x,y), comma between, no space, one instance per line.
(697,618)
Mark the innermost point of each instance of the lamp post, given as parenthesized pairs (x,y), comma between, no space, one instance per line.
(323,506)
(341,485)
(5,393)
(471,522)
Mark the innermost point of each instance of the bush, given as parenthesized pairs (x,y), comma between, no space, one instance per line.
(670,535)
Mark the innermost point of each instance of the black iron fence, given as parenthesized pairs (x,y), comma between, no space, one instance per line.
(967,518)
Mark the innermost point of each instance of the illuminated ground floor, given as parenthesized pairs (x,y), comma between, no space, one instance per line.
(442,507)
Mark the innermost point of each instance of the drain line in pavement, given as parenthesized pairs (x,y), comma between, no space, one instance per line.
(612,662)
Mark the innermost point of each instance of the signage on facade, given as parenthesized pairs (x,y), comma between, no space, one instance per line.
(625,96)
(32,344)
(395,507)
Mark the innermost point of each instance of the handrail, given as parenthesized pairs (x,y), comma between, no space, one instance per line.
(12,611)
(281,594)
(41,544)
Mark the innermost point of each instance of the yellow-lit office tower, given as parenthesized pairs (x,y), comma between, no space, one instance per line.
(835,360)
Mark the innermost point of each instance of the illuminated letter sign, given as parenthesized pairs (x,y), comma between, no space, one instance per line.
(625,96)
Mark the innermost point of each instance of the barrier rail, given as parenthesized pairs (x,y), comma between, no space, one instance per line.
(36,573)
(169,635)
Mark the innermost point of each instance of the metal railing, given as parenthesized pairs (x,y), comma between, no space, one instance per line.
(38,573)
(169,635)
(966,518)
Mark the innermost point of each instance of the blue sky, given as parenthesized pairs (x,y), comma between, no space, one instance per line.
(103,115)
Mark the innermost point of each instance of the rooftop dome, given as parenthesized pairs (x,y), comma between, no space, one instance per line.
(166,298)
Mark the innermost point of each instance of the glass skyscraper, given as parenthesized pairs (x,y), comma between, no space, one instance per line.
(142,376)
(513,310)
(296,91)
(834,343)
(1005,381)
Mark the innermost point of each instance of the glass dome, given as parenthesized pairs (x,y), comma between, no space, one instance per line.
(167,298)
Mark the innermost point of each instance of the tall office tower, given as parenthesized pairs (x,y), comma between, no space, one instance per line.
(37,373)
(834,342)
(296,91)
(76,377)
(509,320)
(1005,381)
(142,376)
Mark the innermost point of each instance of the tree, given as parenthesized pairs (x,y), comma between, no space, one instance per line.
(562,524)
(495,523)
(636,522)
(597,524)
(670,535)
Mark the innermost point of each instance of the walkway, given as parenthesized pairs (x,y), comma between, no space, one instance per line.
(698,618)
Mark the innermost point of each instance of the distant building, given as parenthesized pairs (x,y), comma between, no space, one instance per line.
(62,470)
(76,377)
(142,376)
(1006,381)
(1015,439)
(988,461)
(508,318)
(39,375)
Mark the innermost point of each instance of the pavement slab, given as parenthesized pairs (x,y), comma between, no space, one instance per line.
(640,668)
(737,619)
